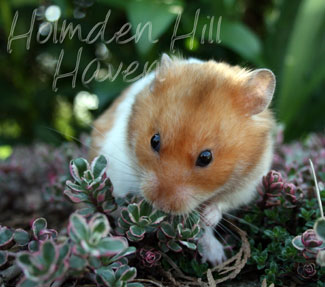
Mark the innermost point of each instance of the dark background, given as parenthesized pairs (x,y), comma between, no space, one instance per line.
(285,36)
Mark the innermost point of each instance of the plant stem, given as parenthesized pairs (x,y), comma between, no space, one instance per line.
(317,189)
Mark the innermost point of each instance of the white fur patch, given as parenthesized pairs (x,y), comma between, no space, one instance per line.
(211,247)
(122,168)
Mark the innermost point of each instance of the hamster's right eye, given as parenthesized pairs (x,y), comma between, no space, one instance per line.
(155,142)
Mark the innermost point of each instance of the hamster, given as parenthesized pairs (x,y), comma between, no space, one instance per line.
(193,135)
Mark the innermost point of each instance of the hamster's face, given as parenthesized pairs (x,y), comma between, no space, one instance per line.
(192,132)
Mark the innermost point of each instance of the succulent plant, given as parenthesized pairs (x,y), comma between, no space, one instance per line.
(139,218)
(308,243)
(40,233)
(179,233)
(307,270)
(91,185)
(44,267)
(273,181)
(278,192)
(34,168)
(149,257)
(91,239)
(117,277)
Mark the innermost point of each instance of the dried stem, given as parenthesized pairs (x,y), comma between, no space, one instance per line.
(317,189)
(178,271)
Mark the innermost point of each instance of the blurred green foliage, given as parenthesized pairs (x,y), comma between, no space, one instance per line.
(285,36)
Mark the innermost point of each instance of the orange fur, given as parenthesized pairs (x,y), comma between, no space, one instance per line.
(196,107)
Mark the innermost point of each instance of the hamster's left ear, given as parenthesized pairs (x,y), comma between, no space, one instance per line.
(161,70)
(259,90)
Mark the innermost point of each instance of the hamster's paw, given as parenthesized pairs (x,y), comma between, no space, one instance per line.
(212,249)
(211,215)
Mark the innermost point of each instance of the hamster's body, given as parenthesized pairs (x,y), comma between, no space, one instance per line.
(192,135)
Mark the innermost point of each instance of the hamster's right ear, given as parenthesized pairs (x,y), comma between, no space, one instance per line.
(258,90)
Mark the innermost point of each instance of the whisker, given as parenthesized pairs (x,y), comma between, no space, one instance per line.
(217,232)
(103,135)
(241,221)
(226,229)
(88,146)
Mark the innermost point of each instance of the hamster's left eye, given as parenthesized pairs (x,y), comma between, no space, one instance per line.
(204,158)
(155,142)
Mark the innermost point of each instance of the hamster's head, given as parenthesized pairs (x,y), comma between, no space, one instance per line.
(197,127)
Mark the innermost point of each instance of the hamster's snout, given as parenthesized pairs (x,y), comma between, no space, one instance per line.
(169,196)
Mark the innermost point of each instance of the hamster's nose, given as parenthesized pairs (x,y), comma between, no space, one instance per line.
(175,200)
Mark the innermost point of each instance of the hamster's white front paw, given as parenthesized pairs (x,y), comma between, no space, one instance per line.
(212,249)
(211,215)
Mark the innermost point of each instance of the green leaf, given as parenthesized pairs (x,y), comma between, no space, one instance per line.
(168,230)
(132,237)
(79,226)
(6,235)
(28,283)
(296,242)
(163,246)
(107,275)
(292,94)
(99,226)
(320,228)
(129,274)
(33,246)
(77,262)
(38,225)
(76,197)
(157,217)
(186,234)
(95,262)
(48,252)
(189,245)
(134,212)
(63,252)
(98,166)
(125,216)
(77,168)
(145,208)
(25,263)
(137,231)
(240,39)
(134,284)
(86,211)
(127,251)
(158,13)
(161,236)
(172,245)
(111,245)
(21,237)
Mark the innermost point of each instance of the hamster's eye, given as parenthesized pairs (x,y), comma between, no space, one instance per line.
(155,142)
(204,158)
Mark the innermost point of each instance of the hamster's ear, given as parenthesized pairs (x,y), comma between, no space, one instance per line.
(161,70)
(166,61)
(163,67)
(259,90)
